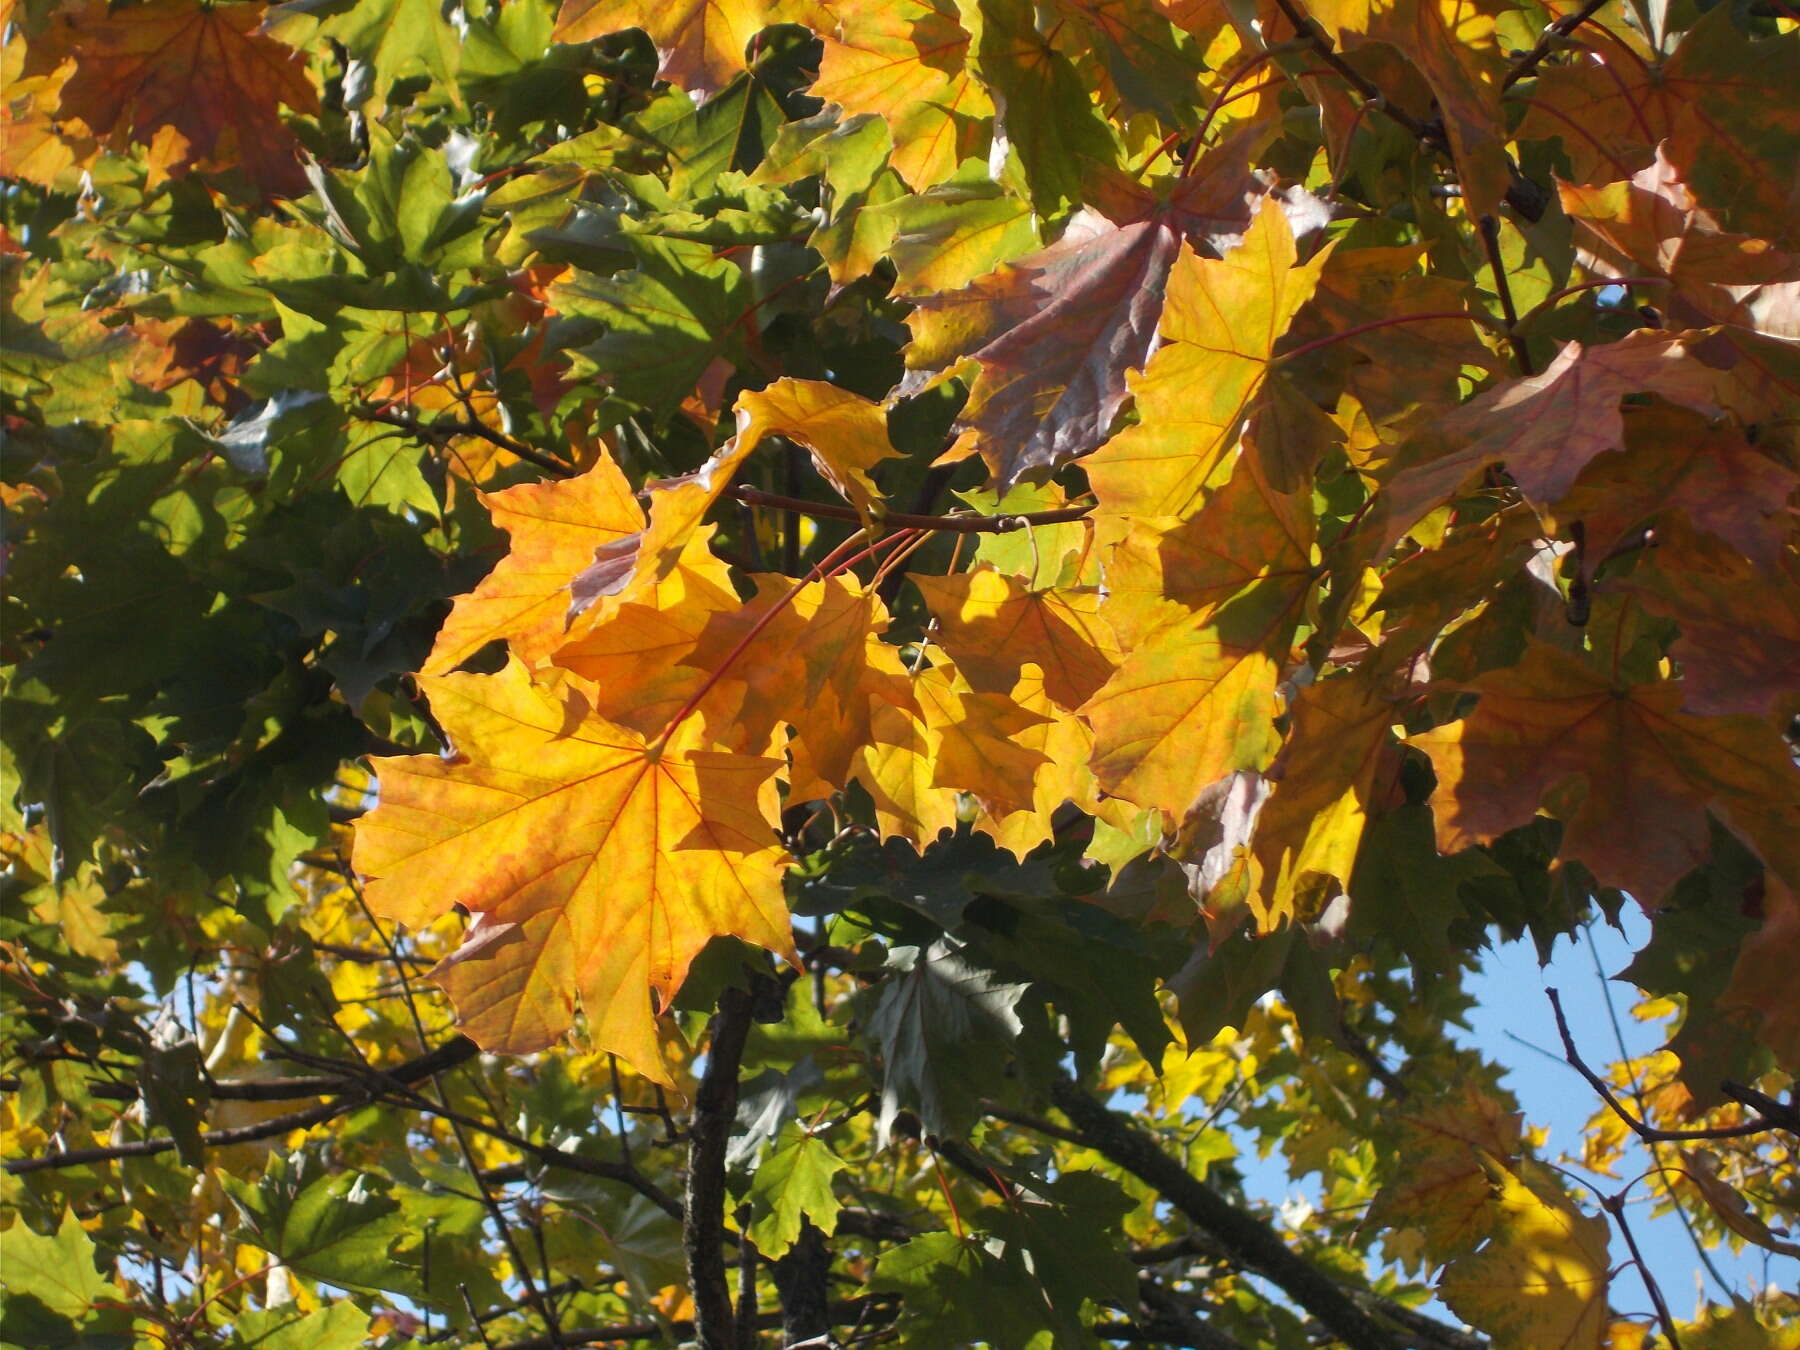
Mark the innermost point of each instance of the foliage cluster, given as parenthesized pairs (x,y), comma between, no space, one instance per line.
(747,669)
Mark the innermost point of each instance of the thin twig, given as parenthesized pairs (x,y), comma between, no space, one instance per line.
(969,523)
(1648,1133)
(1615,1206)
(1548,42)
(1489,230)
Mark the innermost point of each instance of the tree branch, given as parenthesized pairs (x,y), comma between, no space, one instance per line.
(352,1091)
(1524,196)
(1249,1238)
(703,1227)
(1546,44)
(903,520)
(1648,1133)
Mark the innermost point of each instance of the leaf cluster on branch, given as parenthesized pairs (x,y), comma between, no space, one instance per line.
(757,672)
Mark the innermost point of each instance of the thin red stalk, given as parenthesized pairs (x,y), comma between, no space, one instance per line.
(1167,143)
(836,561)
(950,1200)
(1307,347)
(1219,101)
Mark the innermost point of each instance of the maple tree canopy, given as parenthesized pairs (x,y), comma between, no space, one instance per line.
(798,672)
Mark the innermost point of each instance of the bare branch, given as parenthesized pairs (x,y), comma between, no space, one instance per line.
(1648,1133)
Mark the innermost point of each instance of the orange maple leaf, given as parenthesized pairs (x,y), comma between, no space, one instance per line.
(555,528)
(599,864)
(906,61)
(204,70)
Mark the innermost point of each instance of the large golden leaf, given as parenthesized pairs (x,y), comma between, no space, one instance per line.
(1206,612)
(993,623)
(1540,1281)
(1220,324)
(1309,830)
(1630,775)
(598,865)
(845,433)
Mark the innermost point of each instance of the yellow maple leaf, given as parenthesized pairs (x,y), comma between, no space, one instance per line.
(906,61)
(1220,324)
(1311,826)
(1444,1190)
(555,529)
(1206,610)
(1540,1280)
(638,657)
(897,764)
(845,433)
(1066,744)
(598,864)
(993,624)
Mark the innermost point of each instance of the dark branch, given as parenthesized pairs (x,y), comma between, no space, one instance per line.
(902,520)
(351,1092)
(1648,1133)
(1547,43)
(1524,196)
(1251,1240)
(703,1228)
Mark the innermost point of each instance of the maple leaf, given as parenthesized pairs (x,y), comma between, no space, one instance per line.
(1630,775)
(599,864)
(1677,461)
(622,566)
(813,665)
(1205,613)
(1219,328)
(639,656)
(976,739)
(1055,332)
(699,43)
(204,70)
(1541,1279)
(897,764)
(1310,828)
(992,623)
(36,144)
(906,61)
(555,528)
(1739,647)
(1652,224)
(1445,1191)
(1721,106)
(1545,428)
(1066,744)
(845,434)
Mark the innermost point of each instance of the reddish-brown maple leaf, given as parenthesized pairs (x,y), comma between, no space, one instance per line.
(1722,105)
(1652,225)
(204,70)
(1545,428)
(1055,333)
(1631,776)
